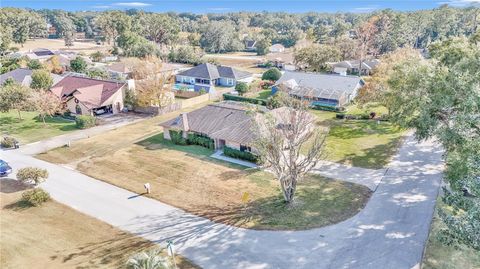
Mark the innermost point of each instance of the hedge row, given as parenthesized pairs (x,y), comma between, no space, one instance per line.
(195,139)
(363,116)
(328,108)
(235,153)
(192,139)
(255,101)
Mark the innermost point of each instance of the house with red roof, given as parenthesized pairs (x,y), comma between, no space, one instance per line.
(88,96)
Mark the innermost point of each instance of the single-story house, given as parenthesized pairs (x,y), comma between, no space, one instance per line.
(88,96)
(40,54)
(320,89)
(118,71)
(227,123)
(207,76)
(275,48)
(250,45)
(23,76)
(352,67)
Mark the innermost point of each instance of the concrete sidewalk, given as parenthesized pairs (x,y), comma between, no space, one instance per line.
(389,233)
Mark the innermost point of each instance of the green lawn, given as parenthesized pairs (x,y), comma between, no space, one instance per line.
(439,256)
(361,143)
(366,109)
(263,94)
(30,128)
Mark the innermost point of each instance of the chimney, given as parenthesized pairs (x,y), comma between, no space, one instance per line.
(185,122)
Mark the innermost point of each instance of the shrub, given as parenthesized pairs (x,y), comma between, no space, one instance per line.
(78,64)
(34,64)
(195,139)
(244,155)
(327,108)
(35,197)
(244,99)
(8,142)
(32,174)
(241,88)
(85,121)
(177,138)
(272,74)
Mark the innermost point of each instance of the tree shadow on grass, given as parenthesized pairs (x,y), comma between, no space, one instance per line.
(9,185)
(157,142)
(322,203)
(376,157)
(114,251)
(361,128)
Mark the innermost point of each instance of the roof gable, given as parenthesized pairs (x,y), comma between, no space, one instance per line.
(211,71)
(72,83)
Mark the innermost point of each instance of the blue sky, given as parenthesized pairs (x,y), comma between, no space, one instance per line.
(218,6)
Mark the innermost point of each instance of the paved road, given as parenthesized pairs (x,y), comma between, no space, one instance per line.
(390,233)
(111,123)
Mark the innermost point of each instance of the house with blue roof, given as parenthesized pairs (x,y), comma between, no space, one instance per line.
(207,76)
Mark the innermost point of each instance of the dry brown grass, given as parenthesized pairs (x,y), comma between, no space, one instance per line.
(186,177)
(56,236)
(59,44)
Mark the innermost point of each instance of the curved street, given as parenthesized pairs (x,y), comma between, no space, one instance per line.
(390,232)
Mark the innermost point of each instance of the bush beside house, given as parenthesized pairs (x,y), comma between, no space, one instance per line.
(243,155)
(177,138)
(207,142)
(85,121)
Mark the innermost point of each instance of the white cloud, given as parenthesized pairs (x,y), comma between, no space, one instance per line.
(365,9)
(219,8)
(132,4)
(461,3)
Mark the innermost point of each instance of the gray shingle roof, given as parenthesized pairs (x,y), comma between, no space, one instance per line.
(24,76)
(225,120)
(317,81)
(211,71)
(18,75)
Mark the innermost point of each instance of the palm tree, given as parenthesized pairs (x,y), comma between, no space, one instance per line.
(151,259)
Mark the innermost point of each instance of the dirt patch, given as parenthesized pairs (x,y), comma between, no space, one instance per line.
(9,185)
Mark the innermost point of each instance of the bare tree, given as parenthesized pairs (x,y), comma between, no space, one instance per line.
(46,104)
(282,135)
(153,85)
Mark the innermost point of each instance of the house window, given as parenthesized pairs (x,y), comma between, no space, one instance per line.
(78,109)
(245,148)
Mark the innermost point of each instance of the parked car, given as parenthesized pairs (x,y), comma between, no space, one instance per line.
(5,169)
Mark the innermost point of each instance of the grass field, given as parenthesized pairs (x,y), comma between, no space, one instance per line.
(439,256)
(30,128)
(359,143)
(186,177)
(245,61)
(59,44)
(56,236)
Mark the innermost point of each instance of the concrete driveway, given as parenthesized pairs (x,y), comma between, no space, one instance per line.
(389,233)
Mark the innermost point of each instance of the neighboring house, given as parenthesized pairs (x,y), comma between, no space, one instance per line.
(207,76)
(352,67)
(227,123)
(40,54)
(250,45)
(118,71)
(87,96)
(23,76)
(320,89)
(282,60)
(276,48)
